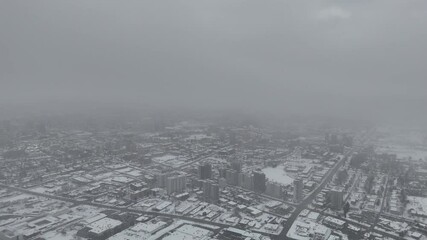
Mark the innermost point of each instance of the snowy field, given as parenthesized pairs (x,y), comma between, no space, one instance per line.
(419,206)
(405,143)
(404,152)
(277,174)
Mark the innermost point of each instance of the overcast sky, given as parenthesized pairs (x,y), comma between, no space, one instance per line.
(364,57)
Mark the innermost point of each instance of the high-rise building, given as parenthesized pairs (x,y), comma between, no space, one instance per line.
(206,187)
(175,184)
(336,198)
(259,181)
(232,177)
(205,171)
(214,193)
(273,189)
(246,180)
(161,179)
(210,191)
(298,187)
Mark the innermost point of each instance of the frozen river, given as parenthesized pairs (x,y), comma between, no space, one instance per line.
(277,174)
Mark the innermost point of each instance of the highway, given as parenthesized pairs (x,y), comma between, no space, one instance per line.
(377,217)
(304,204)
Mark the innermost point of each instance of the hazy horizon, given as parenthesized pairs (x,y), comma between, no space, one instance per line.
(352,59)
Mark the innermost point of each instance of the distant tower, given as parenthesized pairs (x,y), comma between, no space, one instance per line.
(161,179)
(232,177)
(273,189)
(259,181)
(246,180)
(210,191)
(205,171)
(298,186)
(175,184)
(336,198)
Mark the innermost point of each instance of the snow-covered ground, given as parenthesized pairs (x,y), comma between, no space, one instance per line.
(18,197)
(404,143)
(277,174)
(164,158)
(418,206)
(189,232)
(42,189)
(404,152)
(170,160)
